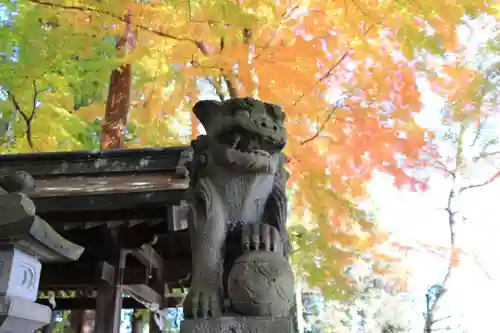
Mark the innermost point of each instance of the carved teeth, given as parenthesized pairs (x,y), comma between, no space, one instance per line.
(236,140)
(256,152)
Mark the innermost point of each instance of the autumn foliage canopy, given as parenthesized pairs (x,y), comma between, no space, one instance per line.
(343,71)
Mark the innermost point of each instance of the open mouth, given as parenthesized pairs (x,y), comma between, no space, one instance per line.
(244,141)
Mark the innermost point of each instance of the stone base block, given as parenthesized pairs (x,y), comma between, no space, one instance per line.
(18,315)
(19,274)
(238,325)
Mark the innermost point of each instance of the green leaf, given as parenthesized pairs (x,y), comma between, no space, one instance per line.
(416,39)
(9,4)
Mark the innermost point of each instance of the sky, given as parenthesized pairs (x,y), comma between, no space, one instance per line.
(412,217)
(418,217)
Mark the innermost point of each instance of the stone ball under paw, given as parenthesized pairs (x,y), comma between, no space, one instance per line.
(261,284)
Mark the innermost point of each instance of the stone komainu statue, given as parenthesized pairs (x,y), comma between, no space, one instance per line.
(237,195)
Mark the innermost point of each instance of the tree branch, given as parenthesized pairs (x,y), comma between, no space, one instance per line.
(478,133)
(231,88)
(329,116)
(334,66)
(486,155)
(341,59)
(217,88)
(478,262)
(115,16)
(441,319)
(486,182)
(27,120)
(201,46)
(35,98)
(328,73)
(233,92)
(431,310)
(442,167)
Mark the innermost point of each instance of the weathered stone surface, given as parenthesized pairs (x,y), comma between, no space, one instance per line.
(34,235)
(237,198)
(261,284)
(15,207)
(16,181)
(20,227)
(18,315)
(25,240)
(19,274)
(238,325)
(19,278)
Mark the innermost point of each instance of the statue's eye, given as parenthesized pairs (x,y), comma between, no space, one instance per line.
(242,113)
(275,112)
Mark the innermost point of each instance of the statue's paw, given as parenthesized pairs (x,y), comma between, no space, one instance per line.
(203,302)
(261,236)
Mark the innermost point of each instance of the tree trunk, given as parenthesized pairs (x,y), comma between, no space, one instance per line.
(117,108)
(299,308)
(118,102)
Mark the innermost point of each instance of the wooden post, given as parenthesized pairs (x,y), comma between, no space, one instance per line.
(75,321)
(153,328)
(108,309)
(109,296)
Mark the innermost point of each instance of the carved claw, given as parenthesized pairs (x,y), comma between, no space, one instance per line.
(261,236)
(203,301)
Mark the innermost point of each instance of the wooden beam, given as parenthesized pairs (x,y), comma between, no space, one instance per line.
(54,208)
(96,240)
(90,274)
(89,303)
(44,165)
(108,184)
(148,257)
(101,186)
(75,275)
(144,294)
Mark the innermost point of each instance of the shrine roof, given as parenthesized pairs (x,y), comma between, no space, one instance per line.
(99,185)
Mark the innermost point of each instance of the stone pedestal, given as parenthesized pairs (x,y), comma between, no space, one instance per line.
(25,241)
(19,277)
(19,274)
(238,325)
(20,315)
